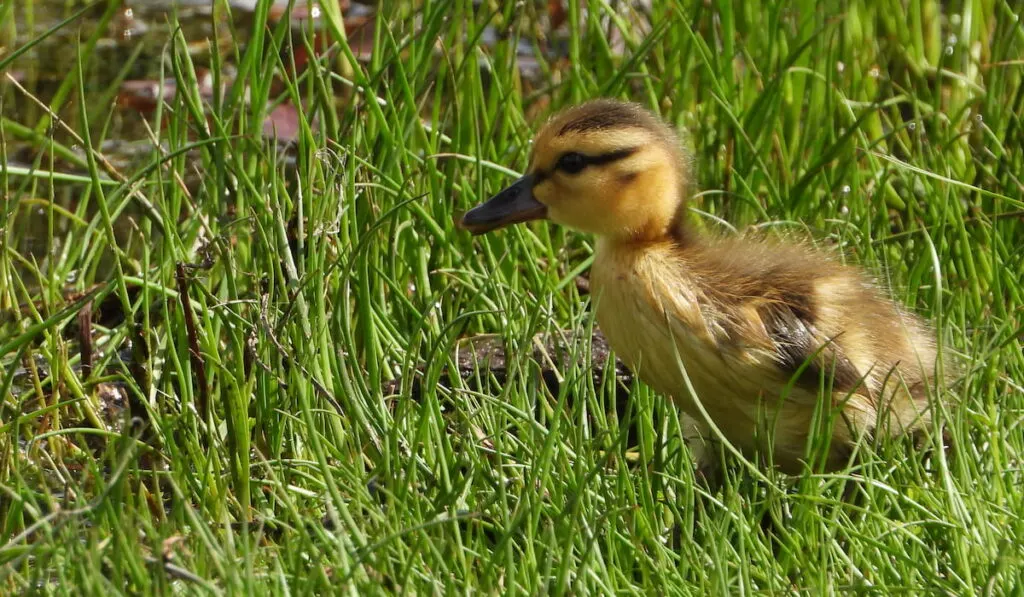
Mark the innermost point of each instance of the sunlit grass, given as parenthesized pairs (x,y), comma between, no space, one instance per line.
(277,457)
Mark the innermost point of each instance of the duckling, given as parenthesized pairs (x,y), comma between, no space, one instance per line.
(750,333)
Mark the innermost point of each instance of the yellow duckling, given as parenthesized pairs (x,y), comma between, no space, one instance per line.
(757,331)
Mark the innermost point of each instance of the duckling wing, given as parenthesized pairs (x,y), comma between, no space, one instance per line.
(800,349)
(761,308)
(824,327)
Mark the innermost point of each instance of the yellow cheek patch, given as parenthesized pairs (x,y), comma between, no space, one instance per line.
(545,191)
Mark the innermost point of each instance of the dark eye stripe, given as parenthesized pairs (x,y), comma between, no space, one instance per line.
(589,160)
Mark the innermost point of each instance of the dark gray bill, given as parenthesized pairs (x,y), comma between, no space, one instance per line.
(513,205)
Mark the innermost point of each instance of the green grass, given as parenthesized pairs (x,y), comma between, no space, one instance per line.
(313,276)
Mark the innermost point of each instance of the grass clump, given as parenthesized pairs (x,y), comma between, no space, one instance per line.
(224,417)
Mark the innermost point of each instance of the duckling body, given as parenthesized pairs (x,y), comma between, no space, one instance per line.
(765,332)
(750,354)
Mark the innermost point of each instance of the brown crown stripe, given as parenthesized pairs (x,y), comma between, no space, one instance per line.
(605,114)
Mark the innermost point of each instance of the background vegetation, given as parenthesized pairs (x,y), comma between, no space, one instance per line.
(221,357)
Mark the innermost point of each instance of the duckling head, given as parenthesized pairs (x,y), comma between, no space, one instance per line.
(605,167)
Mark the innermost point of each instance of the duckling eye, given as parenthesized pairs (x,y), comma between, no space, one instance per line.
(572,163)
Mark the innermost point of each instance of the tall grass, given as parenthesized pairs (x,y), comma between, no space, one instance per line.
(237,431)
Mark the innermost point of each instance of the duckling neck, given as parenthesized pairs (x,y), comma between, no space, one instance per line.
(678,231)
(675,232)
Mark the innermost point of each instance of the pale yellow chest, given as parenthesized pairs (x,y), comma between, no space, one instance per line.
(653,331)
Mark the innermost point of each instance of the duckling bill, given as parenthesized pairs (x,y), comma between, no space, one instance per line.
(513,205)
(763,331)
